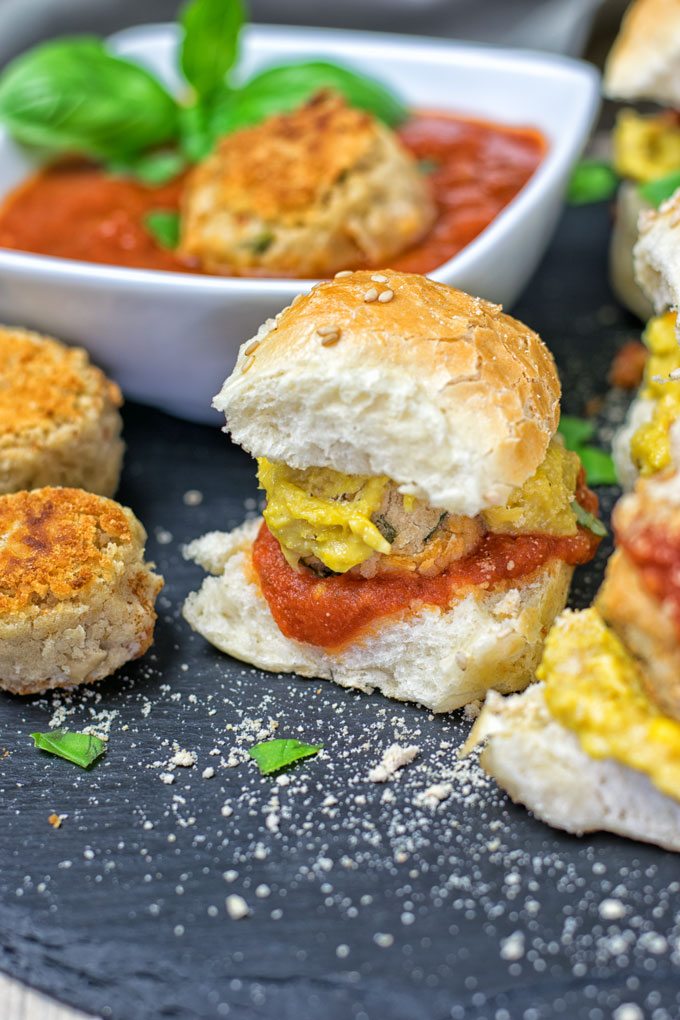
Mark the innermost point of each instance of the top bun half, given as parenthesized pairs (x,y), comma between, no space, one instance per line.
(657,254)
(387,373)
(644,62)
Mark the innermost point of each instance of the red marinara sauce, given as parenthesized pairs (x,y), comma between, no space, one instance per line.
(78,211)
(331,611)
(655,551)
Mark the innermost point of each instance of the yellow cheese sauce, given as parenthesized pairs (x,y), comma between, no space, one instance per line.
(594,688)
(321,513)
(650,445)
(646,147)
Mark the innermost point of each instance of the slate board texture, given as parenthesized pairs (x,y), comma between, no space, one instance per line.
(365,903)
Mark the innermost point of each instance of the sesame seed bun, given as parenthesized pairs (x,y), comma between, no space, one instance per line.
(59,419)
(393,374)
(657,254)
(439,658)
(305,193)
(76,597)
(644,60)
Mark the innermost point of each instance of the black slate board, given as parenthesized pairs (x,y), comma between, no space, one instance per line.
(377,909)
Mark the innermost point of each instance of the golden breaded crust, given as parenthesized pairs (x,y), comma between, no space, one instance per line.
(76,597)
(645,627)
(287,162)
(44,384)
(59,417)
(55,543)
(478,391)
(642,63)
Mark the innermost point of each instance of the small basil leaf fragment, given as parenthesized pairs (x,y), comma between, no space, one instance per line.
(592,180)
(588,520)
(598,466)
(285,88)
(210,46)
(164,227)
(156,168)
(80,748)
(274,755)
(656,192)
(575,431)
(73,96)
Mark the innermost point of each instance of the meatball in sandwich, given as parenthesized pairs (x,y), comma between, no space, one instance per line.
(596,745)
(422,520)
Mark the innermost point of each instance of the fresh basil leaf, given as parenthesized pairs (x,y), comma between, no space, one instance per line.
(656,192)
(164,227)
(210,46)
(195,132)
(592,180)
(80,748)
(73,96)
(156,168)
(285,88)
(598,466)
(273,755)
(588,520)
(575,431)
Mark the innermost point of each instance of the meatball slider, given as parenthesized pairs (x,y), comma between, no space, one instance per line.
(596,745)
(649,440)
(642,65)
(306,193)
(421,521)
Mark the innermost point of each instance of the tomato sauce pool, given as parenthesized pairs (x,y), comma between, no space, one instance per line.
(78,211)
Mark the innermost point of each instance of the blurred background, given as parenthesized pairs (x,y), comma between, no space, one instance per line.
(576,27)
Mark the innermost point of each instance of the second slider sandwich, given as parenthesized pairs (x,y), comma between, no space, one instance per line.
(422,521)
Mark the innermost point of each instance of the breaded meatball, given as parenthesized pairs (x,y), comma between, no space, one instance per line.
(76,597)
(307,193)
(59,419)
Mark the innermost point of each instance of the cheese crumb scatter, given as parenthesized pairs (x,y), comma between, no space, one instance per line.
(394,758)
(208,773)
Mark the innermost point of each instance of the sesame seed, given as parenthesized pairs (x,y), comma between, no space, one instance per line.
(329,335)
(326,330)
(343,272)
(371,295)
(386,296)
(251,347)
(379,278)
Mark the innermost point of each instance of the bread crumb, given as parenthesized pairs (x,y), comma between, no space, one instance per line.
(433,795)
(183,759)
(512,948)
(393,759)
(611,910)
(56,820)
(472,710)
(208,773)
(237,908)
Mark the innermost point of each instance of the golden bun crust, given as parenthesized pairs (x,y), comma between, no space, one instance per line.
(392,373)
(441,659)
(59,420)
(305,193)
(76,598)
(643,62)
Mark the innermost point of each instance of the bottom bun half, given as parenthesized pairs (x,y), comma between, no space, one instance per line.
(541,765)
(441,659)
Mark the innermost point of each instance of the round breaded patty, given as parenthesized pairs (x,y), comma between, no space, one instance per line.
(305,193)
(76,597)
(59,419)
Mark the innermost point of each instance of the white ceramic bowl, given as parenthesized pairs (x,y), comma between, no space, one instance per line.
(170,339)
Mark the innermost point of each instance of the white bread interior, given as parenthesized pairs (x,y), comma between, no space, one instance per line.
(442,392)
(657,254)
(540,764)
(644,62)
(439,659)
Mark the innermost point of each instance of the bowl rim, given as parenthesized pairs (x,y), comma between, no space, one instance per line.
(560,154)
